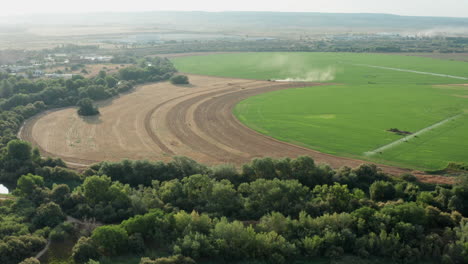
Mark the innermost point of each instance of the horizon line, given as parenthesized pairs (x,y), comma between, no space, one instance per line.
(219,11)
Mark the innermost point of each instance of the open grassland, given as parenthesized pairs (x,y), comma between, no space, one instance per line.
(368,95)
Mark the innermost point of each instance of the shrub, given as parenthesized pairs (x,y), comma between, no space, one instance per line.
(169,260)
(49,214)
(409,177)
(84,250)
(30,261)
(86,107)
(179,79)
(110,240)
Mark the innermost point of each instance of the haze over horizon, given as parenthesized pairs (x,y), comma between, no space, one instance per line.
(440,8)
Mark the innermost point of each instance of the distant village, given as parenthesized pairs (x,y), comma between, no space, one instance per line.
(38,68)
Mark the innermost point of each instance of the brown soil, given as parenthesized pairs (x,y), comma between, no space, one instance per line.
(461,87)
(161,120)
(92,69)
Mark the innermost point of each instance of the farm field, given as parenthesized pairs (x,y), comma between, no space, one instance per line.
(368,95)
(160,121)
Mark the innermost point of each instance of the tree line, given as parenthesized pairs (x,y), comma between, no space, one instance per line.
(21,98)
(271,210)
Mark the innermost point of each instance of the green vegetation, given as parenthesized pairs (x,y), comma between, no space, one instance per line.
(179,79)
(21,98)
(269,211)
(272,211)
(352,116)
(86,107)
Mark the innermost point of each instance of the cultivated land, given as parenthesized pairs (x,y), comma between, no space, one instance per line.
(372,94)
(158,121)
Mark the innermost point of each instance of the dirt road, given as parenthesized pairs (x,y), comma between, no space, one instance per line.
(161,120)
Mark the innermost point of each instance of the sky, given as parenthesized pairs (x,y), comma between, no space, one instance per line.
(450,8)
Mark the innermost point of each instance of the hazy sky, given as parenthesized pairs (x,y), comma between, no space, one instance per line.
(453,8)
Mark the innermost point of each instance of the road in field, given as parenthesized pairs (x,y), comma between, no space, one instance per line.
(161,120)
(404,139)
(412,71)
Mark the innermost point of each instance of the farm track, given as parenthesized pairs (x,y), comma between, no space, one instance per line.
(411,136)
(413,71)
(161,120)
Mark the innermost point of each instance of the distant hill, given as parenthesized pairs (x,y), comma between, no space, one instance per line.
(237,20)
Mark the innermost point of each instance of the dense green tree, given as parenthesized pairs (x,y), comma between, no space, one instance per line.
(382,191)
(15,249)
(169,260)
(96,188)
(136,244)
(19,150)
(334,198)
(226,172)
(86,107)
(60,193)
(274,248)
(84,250)
(195,245)
(154,225)
(406,212)
(30,261)
(180,79)
(131,73)
(110,240)
(234,240)
(49,214)
(111,82)
(185,223)
(28,184)
(263,196)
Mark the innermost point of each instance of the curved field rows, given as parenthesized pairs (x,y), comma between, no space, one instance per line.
(161,120)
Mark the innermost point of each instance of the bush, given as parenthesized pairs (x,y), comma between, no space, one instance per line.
(61,232)
(49,214)
(84,250)
(409,177)
(86,107)
(30,261)
(169,260)
(136,244)
(110,240)
(179,79)
(382,191)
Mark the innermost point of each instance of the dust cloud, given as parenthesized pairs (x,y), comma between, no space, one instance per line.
(439,32)
(296,69)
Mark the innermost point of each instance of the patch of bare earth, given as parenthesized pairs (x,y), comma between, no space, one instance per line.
(161,120)
(461,87)
(92,69)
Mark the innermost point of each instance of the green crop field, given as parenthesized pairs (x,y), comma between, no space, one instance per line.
(368,94)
